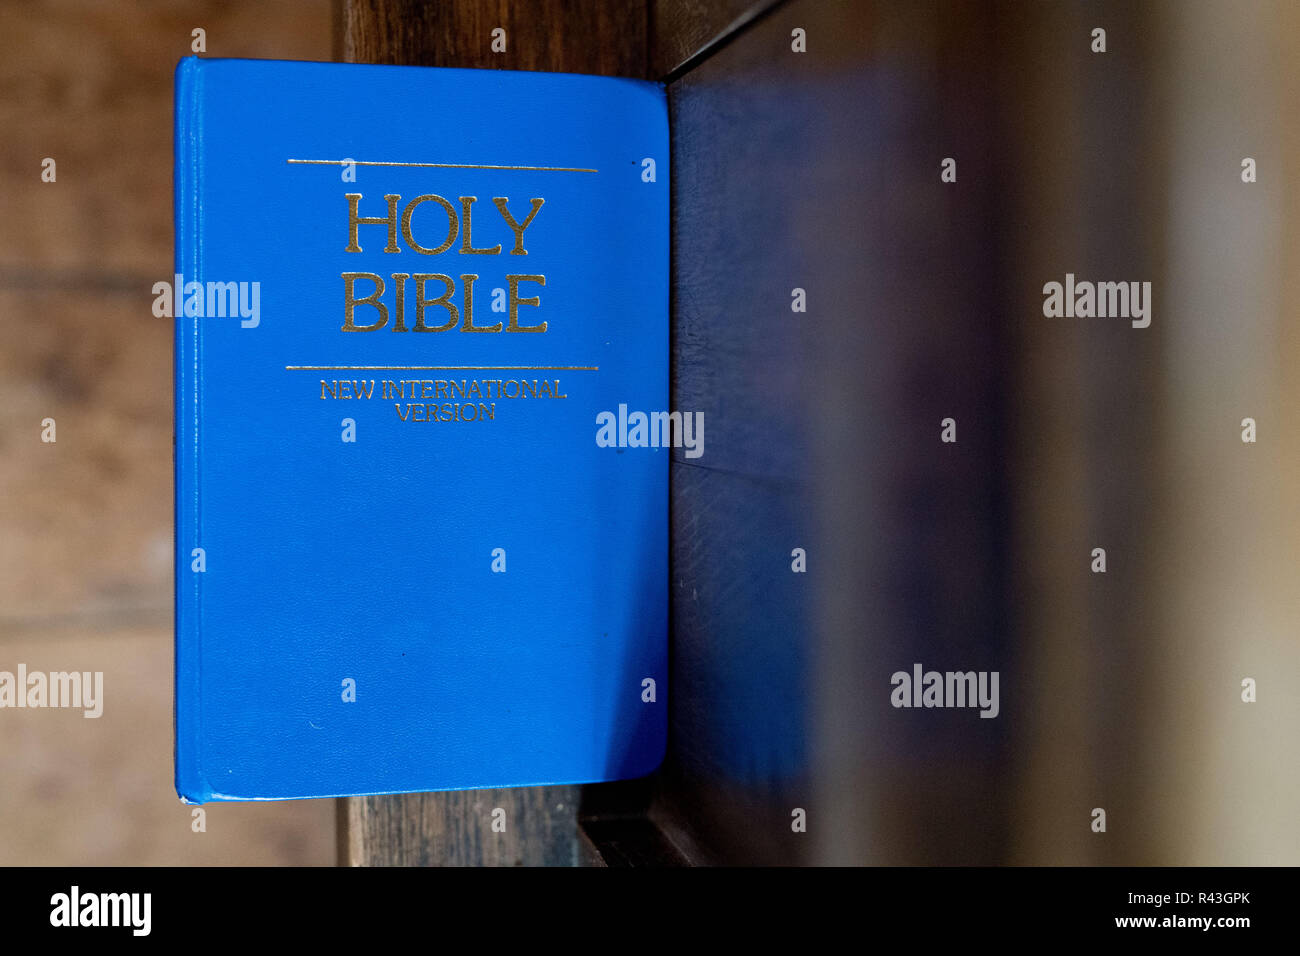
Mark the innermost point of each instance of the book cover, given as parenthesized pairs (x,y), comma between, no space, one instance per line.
(412,551)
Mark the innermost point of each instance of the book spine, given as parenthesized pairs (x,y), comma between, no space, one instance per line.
(190,784)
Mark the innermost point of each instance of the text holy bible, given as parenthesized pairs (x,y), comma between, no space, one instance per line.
(403,299)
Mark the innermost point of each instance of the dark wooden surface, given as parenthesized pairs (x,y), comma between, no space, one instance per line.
(455,829)
(679,29)
(563,36)
(820,170)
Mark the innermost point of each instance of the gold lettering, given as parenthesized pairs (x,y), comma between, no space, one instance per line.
(421,303)
(350,302)
(467,244)
(399,307)
(452,225)
(517,227)
(468,282)
(515,302)
(355,219)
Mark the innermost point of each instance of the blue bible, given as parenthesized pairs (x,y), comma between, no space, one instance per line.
(421,533)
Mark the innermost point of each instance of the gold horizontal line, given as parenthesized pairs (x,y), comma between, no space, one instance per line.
(358,162)
(445,368)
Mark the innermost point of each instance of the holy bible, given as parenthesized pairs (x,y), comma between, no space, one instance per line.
(404,299)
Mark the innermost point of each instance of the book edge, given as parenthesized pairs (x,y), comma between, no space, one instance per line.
(189,782)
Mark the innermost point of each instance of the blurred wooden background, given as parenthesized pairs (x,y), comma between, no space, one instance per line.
(817,170)
(86,522)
